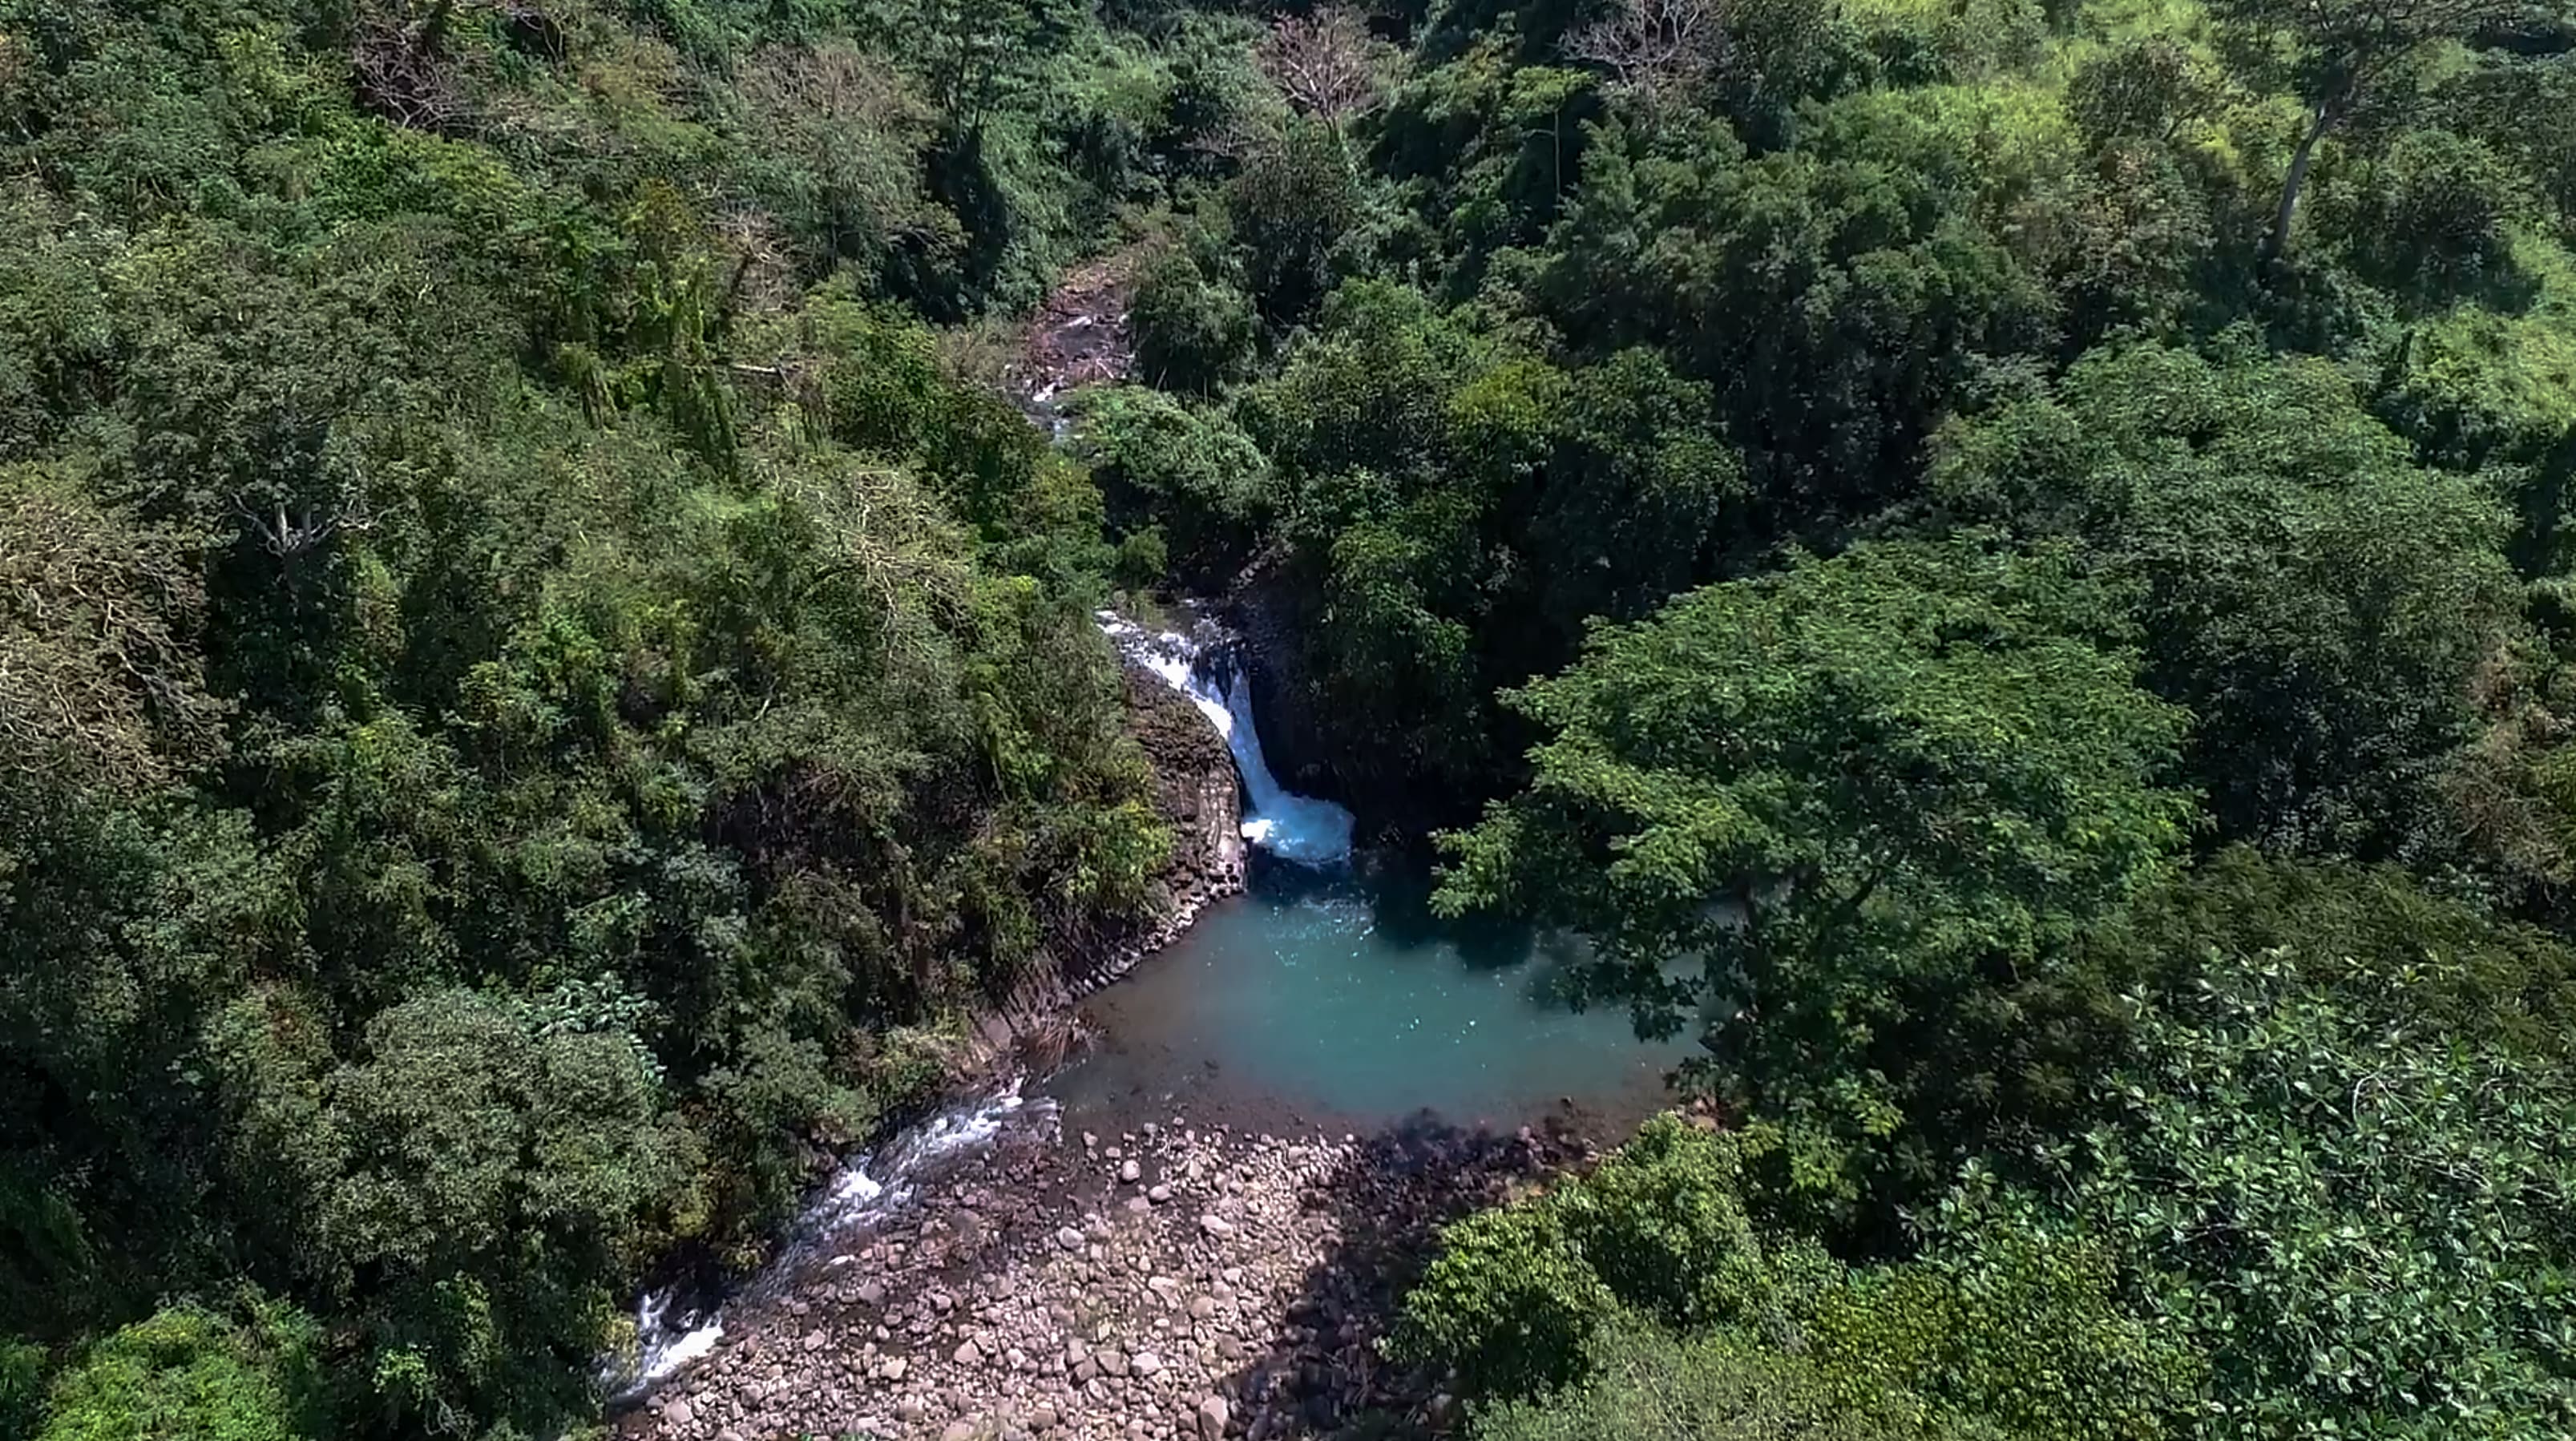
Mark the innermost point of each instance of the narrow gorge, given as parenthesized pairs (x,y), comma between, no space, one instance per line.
(1192,1230)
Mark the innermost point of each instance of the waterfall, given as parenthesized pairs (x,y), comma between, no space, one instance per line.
(860,1194)
(1297,828)
(664,1344)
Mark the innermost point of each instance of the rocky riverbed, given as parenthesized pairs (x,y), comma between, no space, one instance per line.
(1169,1281)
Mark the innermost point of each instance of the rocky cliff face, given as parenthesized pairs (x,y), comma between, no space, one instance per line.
(1196,791)
(1269,615)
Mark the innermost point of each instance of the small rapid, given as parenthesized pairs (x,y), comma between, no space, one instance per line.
(1310,832)
(671,1333)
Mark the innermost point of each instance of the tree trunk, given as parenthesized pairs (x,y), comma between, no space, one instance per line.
(2279,241)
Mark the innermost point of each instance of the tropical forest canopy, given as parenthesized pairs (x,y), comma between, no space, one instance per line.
(2006,562)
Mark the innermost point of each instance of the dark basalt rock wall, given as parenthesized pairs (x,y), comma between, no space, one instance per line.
(1267,613)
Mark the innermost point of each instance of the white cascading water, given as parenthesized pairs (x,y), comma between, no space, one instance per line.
(861,1193)
(1292,827)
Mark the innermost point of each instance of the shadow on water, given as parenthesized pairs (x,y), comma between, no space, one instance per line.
(1340,999)
(1396,894)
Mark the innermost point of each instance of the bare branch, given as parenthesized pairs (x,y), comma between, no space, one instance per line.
(292,538)
(403,72)
(1655,46)
(1325,63)
(99,676)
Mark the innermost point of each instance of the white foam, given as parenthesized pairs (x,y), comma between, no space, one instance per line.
(1297,828)
(860,1193)
(665,1346)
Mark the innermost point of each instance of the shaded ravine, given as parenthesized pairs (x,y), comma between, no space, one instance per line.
(1324,1001)
(679,1324)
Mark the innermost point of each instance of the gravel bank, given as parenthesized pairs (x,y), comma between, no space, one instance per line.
(1169,1282)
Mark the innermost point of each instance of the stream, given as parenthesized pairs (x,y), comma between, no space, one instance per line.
(1326,997)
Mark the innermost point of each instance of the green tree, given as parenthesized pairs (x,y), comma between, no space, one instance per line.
(466,1189)
(1640,1382)
(1508,1304)
(1288,208)
(2318,601)
(1838,299)
(190,1374)
(1195,475)
(1192,333)
(2339,55)
(2355,1202)
(98,615)
(2021,1328)
(2439,213)
(975,57)
(841,137)
(1836,810)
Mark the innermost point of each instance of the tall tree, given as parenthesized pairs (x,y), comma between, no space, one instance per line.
(2340,54)
(1834,808)
(1326,64)
(2320,602)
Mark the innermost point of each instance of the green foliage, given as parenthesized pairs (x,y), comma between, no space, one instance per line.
(1192,333)
(2319,602)
(2020,1331)
(1288,208)
(2013,1320)
(2126,496)
(1517,1294)
(22,1389)
(2438,214)
(1457,509)
(103,687)
(1827,808)
(2468,974)
(1508,1303)
(1193,475)
(480,1167)
(531,678)
(189,1374)
(512,697)
(2354,1202)
(1662,1224)
(1759,275)
(2148,89)
(1644,1383)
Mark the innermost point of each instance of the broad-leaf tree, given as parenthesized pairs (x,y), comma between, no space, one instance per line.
(1832,808)
(2319,601)
(2339,54)
(2353,1196)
